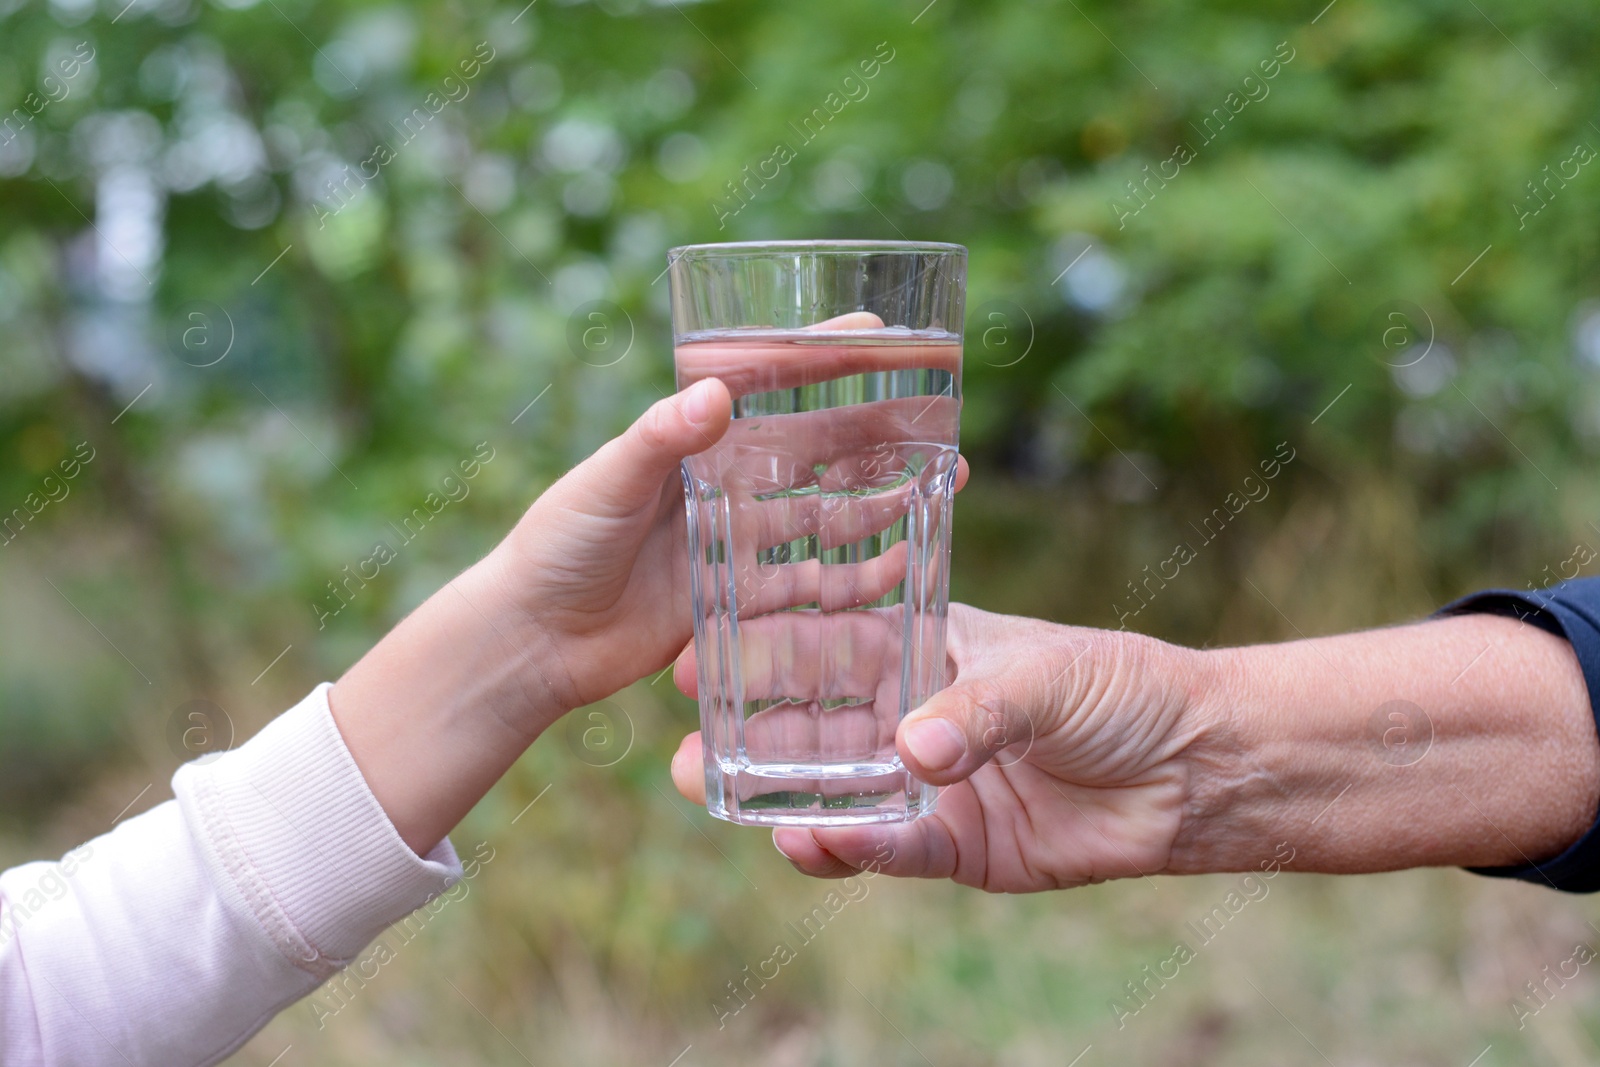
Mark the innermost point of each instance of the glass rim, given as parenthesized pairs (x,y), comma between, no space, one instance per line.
(738,249)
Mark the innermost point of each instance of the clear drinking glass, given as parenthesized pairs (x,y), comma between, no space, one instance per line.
(819,527)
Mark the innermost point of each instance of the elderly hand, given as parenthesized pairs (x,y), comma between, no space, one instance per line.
(1070,756)
(1063,753)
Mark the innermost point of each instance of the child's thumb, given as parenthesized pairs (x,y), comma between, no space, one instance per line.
(626,474)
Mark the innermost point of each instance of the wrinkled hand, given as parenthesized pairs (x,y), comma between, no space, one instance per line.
(1064,753)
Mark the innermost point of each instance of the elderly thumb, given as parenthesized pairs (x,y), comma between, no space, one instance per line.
(959,730)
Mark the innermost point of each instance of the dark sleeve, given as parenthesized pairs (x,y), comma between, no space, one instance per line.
(1570,610)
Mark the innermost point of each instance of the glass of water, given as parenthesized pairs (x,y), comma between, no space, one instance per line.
(819,527)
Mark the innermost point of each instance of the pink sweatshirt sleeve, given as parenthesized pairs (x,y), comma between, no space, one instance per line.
(171,940)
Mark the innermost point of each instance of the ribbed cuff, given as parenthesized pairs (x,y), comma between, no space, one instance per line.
(295,838)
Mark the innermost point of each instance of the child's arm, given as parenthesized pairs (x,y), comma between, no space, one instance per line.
(174,938)
(179,934)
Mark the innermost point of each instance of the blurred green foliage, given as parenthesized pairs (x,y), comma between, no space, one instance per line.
(276,345)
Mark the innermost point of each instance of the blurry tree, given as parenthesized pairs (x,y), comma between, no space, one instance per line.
(281,265)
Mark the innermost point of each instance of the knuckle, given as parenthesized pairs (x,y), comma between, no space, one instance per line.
(988,713)
(654,427)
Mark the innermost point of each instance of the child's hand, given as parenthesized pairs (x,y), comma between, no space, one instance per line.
(588,593)
(599,563)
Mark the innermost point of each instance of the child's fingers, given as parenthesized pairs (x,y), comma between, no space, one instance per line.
(850,320)
(684,672)
(784,655)
(756,364)
(627,473)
